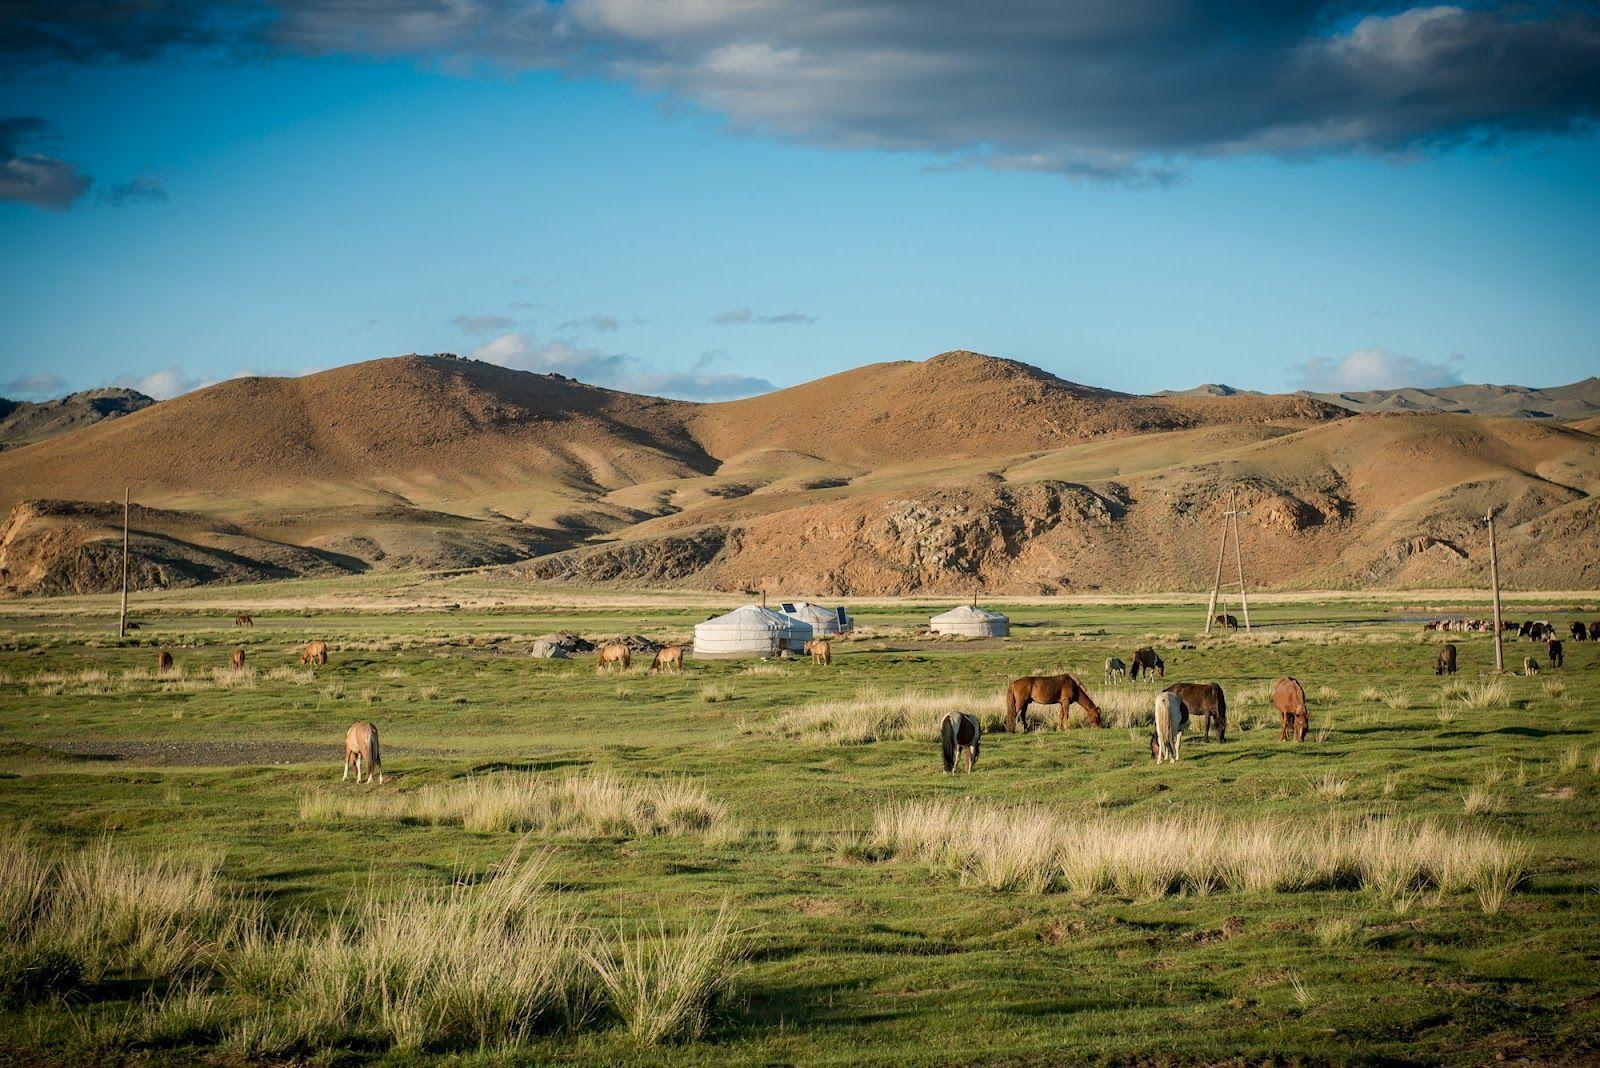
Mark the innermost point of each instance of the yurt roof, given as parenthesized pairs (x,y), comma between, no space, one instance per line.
(751,616)
(967,613)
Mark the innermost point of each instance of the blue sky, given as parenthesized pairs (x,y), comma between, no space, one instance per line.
(299,210)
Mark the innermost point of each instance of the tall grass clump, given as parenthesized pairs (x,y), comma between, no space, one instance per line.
(663,986)
(1490,694)
(101,913)
(1036,850)
(579,806)
(485,966)
(874,715)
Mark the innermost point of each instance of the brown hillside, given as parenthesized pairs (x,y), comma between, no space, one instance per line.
(960,404)
(891,478)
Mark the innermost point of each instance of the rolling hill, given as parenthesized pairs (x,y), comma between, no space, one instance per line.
(25,422)
(1579,400)
(929,475)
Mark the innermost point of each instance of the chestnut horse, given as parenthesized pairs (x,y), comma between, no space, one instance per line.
(1289,698)
(667,656)
(242,620)
(361,751)
(1204,699)
(821,650)
(614,653)
(163,662)
(238,660)
(1060,690)
(314,653)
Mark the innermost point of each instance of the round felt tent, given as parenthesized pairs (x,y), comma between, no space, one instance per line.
(971,621)
(749,631)
(823,620)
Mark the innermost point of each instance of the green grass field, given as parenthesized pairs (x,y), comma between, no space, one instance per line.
(848,945)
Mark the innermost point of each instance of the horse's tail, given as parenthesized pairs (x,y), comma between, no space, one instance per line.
(377,757)
(1011,710)
(947,742)
(1222,714)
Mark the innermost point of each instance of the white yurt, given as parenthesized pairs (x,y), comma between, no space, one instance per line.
(824,620)
(971,621)
(750,631)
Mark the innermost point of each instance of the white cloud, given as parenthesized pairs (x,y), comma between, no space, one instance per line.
(1375,368)
(604,324)
(482,324)
(744,316)
(615,370)
(35,386)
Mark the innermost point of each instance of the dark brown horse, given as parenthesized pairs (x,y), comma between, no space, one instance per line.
(1446,664)
(1225,621)
(163,662)
(1289,698)
(1205,700)
(1060,690)
(243,620)
(1145,660)
(238,660)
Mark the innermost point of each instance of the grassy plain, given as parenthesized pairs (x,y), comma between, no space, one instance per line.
(856,944)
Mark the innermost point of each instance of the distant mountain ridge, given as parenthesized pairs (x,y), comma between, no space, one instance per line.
(1579,400)
(25,422)
(927,476)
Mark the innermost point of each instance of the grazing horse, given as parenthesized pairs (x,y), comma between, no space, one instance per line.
(1060,690)
(1115,669)
(613,653)
(1557,656)
(1170,719)
(959,736)
(1530,666)
(821,650)
(361,751)
(1289,698)
(163,662)
(668,656)
(1226,622)
(1205,699)
(1147,661)
(315,653)
(242,620)
(238,660)
(1580,633)
(1446,664)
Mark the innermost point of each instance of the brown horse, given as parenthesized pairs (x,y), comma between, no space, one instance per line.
(1060,690)
(238,660)
(1204,699)
(1446,664)
(315,653)
(1289,698)
(163,662)
(667,656)
(242,620)
(613,653)
(361,751)
(1226,622)
(1147,661)
(821,650)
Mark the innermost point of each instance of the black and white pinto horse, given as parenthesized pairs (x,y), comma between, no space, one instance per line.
(959,735)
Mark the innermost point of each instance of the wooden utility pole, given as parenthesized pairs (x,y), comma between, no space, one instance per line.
(1230,522)
(122,617)
(1494,586)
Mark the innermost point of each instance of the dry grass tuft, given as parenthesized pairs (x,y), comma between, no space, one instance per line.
(875,715)
(663,987)
(1034,850)
(578,806)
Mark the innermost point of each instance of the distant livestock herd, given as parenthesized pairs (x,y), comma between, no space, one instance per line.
(961,733)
